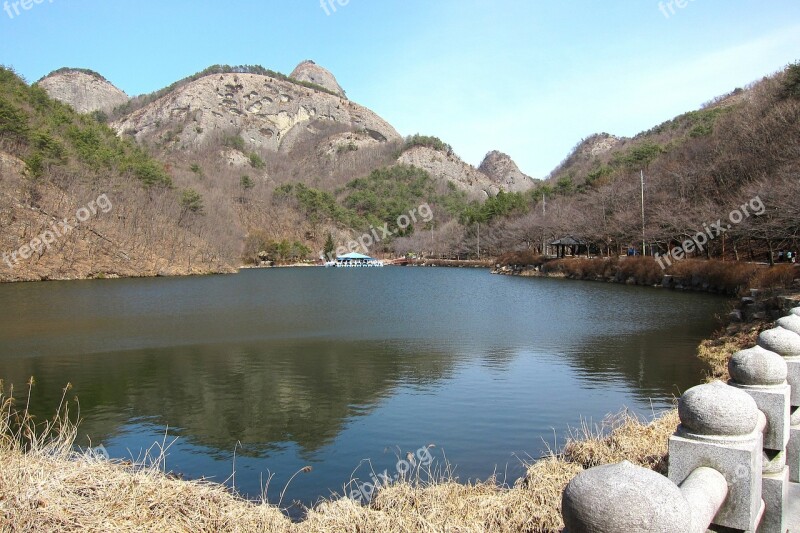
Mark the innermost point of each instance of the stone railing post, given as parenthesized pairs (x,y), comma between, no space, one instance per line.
(730,460)
(722,428)
(762,374)
(786,342)
(627,498)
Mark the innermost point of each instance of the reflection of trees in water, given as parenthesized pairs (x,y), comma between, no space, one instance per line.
(271,395)
(498,359)
(261,396)
(655,364)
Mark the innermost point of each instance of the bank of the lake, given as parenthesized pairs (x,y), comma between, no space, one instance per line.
(729,278)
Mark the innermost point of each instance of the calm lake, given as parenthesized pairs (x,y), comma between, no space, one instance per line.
(329,367)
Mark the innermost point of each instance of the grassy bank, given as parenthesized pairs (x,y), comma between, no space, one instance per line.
(46,485)
(713,276)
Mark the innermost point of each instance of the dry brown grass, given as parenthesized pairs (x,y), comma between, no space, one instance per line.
(583,268)
(729,277)
(623,437)
(46,485)
(451,506)
(778,276)
(55,493)
(643,270)
(716,352)
(532,504)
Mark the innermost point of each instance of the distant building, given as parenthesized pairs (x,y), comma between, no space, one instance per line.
(355,260)
(568,245)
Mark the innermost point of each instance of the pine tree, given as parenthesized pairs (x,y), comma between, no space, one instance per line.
(329,246)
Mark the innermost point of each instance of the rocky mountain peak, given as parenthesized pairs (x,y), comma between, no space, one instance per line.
(450,168)
(265,112)
(311,72)
(504,171)
(601,143)
(86,91)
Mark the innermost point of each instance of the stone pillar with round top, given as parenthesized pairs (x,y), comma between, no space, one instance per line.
(722,428)
(762,374)
(629,498)
(784,341)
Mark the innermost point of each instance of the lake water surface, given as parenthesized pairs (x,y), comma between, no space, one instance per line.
(328,367)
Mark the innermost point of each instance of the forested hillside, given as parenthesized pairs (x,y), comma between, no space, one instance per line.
(699,168)
(77,201)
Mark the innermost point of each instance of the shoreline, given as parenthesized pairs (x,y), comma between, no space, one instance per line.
(449,263)
(444,263)
(711,276)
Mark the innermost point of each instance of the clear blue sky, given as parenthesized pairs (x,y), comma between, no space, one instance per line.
(530,78)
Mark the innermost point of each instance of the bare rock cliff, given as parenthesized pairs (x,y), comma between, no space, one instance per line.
(313,73)
(601,143)
(451,168)
(85,92)
(501,169)
(261,109)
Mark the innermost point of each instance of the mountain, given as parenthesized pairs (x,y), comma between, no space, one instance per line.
(502,170)
(235,135)
(497,173)
(86,91)
(309,71)
(734,162)
(587,150)
(268,113)
(448,167)
(302,126)
(243,163)
(232,125)
(79,202)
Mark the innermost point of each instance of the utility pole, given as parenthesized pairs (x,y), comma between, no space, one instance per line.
(544,214)
(644,252)
(432,226)
(479,241)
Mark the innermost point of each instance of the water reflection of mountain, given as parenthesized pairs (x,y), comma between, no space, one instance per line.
(254,359)
(303,392)
(261,396)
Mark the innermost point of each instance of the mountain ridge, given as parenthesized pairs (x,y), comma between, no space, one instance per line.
(282,163)
(307,73)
